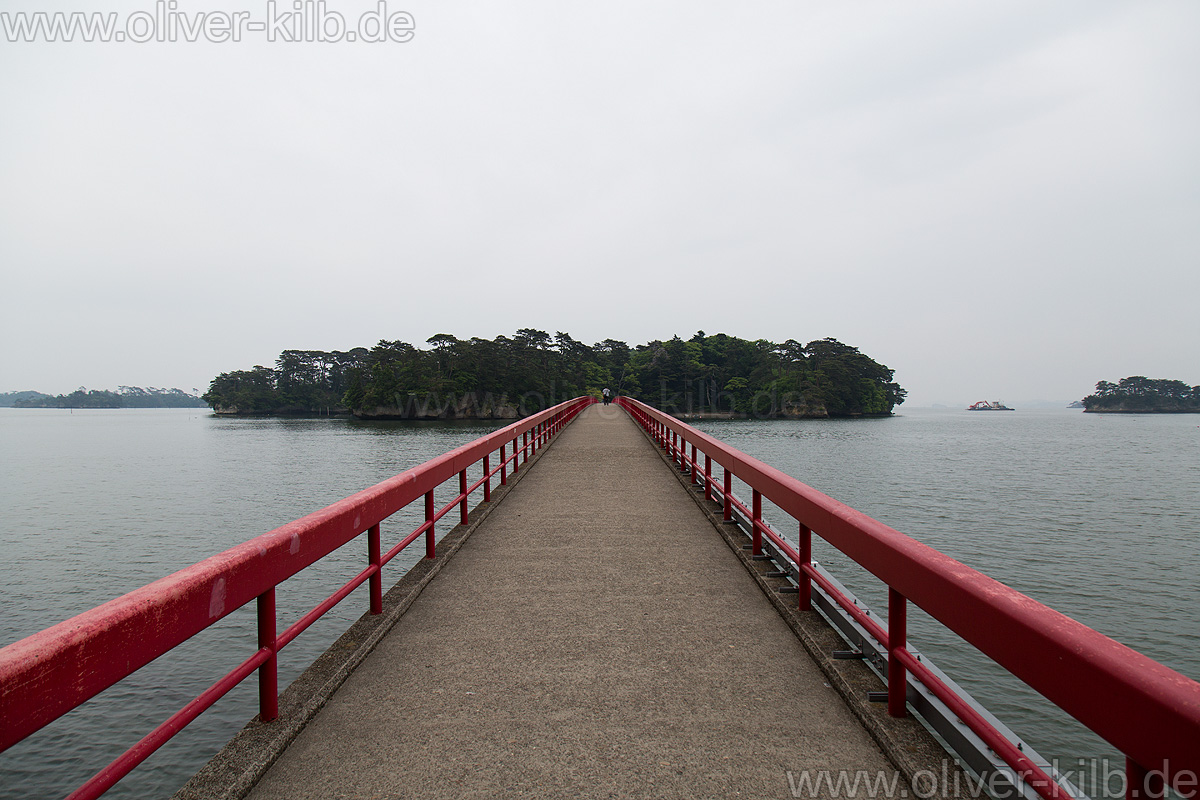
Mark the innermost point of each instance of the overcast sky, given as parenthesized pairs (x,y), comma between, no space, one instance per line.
(999,200)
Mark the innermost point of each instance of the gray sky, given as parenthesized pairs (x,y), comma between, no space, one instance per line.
(999,200)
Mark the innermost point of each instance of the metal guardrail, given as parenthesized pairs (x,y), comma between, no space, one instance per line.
(1146,710)
(49,673)
(1000,780)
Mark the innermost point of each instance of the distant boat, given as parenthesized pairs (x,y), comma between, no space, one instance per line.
(984,405)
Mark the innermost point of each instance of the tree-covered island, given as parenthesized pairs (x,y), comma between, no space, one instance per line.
(124,397)
(508,377)
(1140,395)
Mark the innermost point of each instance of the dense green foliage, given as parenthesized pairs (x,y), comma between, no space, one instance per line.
(124,397)
(9,399)
(302,382)
(532,370)
(1140,394)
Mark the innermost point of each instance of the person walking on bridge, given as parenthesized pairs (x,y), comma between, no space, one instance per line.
(607,394)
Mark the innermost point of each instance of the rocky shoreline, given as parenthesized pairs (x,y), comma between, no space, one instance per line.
(1121,409)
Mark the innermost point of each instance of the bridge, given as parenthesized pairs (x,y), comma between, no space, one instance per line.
(609,619)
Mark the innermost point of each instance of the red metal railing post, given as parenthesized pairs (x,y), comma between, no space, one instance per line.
(516,454)
(429,514)
(727,498)
(503,466)
(756,524)
(487,478)
(707,477)
(897,680)
(268,673)
(692,465)
(462,490)
(805,597)
(376,582)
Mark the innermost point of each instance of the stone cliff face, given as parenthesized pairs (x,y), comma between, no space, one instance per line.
(797,407)
(291,411)
(790,406)
(232,411)
(469,405)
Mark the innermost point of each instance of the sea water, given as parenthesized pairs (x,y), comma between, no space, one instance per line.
(97,503)
(1094,515)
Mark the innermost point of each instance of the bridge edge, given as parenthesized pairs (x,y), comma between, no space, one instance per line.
(234,771)
(905,742)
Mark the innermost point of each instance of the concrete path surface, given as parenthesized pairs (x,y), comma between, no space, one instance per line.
(595,637)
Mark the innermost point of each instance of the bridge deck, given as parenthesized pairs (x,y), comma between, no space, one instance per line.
(593,638)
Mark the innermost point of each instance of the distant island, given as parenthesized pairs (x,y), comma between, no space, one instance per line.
(509,377)
(124,397)
(1141,395)
(7,399)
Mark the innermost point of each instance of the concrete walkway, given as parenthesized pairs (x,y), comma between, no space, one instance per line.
(595,637)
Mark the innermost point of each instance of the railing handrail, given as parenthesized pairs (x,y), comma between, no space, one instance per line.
(47,674)
(1148,711)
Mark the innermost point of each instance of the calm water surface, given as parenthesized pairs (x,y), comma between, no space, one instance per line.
(1093,515)
(98,503)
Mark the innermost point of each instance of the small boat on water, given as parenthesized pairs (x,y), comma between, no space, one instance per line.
(985,405)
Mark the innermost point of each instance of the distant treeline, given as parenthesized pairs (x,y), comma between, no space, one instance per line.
(124,397)
(8,399)
(514,376)
(1138,394)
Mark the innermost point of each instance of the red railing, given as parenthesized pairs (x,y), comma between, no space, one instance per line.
(1146,710)
(46,675)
